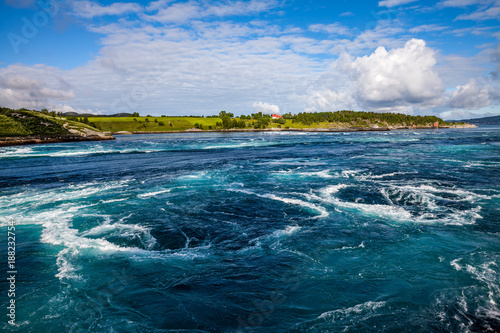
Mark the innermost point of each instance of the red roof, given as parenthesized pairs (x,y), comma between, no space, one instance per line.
(277,116)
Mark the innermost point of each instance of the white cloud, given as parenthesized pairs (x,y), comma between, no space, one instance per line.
(404,75)
(486,9)
(332,29)
(23,86)
(428,28)
(464,114)
(329,100)
(462,3)
(266,108)
(184,12)
(347,14)
(399,80)
(155,5)
(89,9)
(177,13)
(394,3)
(491,13)
(470,96)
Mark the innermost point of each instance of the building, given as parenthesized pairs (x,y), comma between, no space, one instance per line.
(276,116)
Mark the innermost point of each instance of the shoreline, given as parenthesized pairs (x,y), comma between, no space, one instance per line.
(18,141)
(323,130)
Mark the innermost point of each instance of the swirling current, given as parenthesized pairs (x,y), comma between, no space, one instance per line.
(256,232)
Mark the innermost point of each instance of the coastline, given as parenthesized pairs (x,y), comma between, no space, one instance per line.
(324,130)
(17,141)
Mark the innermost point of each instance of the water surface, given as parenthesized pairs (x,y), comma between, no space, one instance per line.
(257,232)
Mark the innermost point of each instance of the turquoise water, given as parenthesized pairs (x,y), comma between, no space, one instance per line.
(256,232)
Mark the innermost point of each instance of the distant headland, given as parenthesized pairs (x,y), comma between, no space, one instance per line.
(25,126)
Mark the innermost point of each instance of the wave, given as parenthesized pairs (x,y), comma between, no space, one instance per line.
(343,319)
(359,308)
(244,144)
(43,151)
(418,204)
(321,174)
(56,210)
(293,161)
(152,194)
(472,307)
(321,210)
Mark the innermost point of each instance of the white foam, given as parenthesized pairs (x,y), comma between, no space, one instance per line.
(393,212)
(289,230)
(240,145)
(126,231)
(332,189)
(65,269)
(323,212)
(360,246)
(455,264)
(112,200)
(321,174)
(152,194)
(15,151)
(460,195)
(293,162)
(340,313)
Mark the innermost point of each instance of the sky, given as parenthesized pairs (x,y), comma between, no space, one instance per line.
(199,57)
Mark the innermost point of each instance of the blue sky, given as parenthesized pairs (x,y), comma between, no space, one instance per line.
(200,56)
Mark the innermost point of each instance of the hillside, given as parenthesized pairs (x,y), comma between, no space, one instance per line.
(495,120)
(340,120)
(28,126)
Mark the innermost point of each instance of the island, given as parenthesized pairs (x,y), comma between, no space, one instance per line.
(30,126)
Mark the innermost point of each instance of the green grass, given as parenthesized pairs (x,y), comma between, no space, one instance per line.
(117,124)
(128,124)
(10,127)
(22,123)
(26,123)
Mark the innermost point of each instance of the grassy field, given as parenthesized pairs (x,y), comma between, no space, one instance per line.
(154,124)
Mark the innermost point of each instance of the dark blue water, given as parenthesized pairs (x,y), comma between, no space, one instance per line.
(256,232)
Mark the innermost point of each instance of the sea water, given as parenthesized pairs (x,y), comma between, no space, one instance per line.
(255,232)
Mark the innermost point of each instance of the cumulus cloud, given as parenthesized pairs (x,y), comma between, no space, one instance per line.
(394,3)
(470,96)
(399,80)
(329,100)
(402,75)
(89,9)
(266,108)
